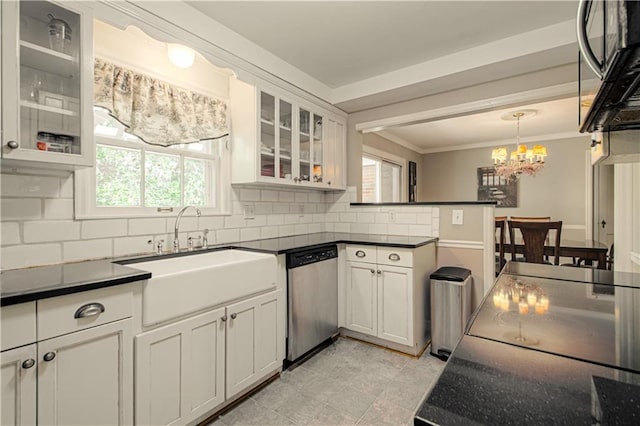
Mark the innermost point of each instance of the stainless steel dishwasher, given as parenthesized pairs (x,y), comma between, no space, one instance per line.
(312,284)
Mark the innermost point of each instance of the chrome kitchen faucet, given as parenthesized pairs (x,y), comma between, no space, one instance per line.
(176,241)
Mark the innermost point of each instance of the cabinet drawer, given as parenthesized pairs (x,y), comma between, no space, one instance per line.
(18,324)
(361,253)
(395,256)
(78,311)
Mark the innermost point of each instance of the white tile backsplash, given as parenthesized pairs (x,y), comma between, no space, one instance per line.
(40,209)
(21,208)
(78,250)
(58,208)
(10,233)
(104,228)
(45,231)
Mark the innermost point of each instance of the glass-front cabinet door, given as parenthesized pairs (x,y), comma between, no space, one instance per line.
(46,55)
(317,160)
(304,137)
(276,142)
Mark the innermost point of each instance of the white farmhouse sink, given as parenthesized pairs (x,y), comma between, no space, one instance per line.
(185,284)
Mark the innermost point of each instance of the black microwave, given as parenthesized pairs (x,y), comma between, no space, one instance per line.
(609,65)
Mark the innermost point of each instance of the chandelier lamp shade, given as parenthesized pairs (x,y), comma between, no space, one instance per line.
(522,160)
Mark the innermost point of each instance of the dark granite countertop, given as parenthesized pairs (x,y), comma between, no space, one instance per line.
(24,285)
(491,383)
(575,362)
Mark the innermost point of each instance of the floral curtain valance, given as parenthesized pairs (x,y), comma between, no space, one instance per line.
(155,111)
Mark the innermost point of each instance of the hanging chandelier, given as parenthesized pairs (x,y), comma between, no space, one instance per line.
(522,160)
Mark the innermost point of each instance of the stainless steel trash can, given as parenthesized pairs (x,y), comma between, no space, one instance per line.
(450,308)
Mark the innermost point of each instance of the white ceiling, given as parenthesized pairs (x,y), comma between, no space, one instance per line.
(553,120)
(368,54)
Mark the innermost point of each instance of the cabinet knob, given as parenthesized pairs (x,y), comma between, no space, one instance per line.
(89,310)
(234,316)
(328,182)
(379,272)
(373,271)
(49,356)
(28,363)
(360,254)
(13,144)
(223,318)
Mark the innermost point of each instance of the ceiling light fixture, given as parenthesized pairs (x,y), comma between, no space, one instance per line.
(522,160)
(181,56)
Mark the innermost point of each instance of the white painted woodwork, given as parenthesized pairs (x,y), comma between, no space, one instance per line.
(246,144)
(361,253)
(18,386)
(394,256)
(12,51)
(56,314)
(253,340)
(384,302)
(395,307)
(90,380)
(18,325)
(361,297)
(204,280)
(180,370)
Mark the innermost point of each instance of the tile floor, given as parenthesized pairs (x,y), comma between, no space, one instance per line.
(347,383)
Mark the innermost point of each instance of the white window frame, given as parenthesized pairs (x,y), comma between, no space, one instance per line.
(378,154)
(85,183)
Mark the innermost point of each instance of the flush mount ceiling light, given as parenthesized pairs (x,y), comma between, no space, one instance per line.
(181,56)
(522,160)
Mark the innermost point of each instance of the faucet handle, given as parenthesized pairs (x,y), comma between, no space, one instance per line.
(159,246)
(205,240)
(190,240)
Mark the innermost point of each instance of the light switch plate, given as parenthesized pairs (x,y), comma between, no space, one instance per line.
(457,217)
(249,211)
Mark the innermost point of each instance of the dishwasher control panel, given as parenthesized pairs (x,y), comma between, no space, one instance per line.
(313,255)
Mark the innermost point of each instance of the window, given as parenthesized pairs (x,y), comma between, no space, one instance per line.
(132,178)
(381,177)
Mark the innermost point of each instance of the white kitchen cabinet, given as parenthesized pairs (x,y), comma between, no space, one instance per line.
(253,340)
(386,295)
(81,362)
(188,368)
(180,370)
(47,85)
(86,377)
(277,139)
(362,298)
(18,375)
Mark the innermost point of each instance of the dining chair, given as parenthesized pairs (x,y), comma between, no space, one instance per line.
(534,235)
(500,227)
(532,219)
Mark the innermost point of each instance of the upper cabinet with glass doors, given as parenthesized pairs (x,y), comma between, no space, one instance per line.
(47,62)
(291,144)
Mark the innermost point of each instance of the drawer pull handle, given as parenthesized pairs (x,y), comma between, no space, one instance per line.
(49,356)
(223,318)
(28,363)
(394,257)
(360,253)
(89,310)
(234,316)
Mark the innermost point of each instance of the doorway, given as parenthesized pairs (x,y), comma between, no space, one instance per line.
(603,202)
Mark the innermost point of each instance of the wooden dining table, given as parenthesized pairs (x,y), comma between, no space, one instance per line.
(590,250)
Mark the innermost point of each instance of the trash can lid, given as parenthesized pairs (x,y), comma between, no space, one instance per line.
(451,273)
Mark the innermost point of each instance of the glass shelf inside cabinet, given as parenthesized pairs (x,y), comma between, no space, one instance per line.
(50,78)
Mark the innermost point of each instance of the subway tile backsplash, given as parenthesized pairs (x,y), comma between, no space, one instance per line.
(38,226)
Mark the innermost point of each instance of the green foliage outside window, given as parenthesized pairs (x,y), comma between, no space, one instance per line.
(118,174)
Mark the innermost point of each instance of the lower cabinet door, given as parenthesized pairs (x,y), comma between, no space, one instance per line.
(361,297)
(395,304)
(86,377)
(254,335)
(18,374)
(180,370)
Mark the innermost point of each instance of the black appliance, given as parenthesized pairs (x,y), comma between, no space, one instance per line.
(609,64)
